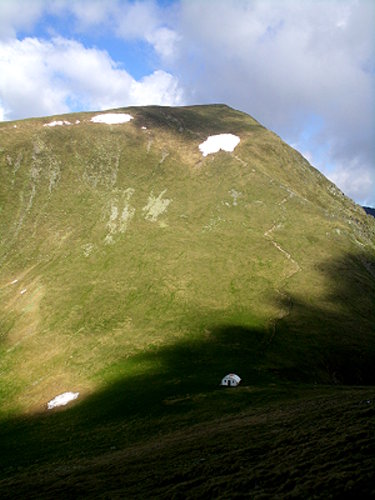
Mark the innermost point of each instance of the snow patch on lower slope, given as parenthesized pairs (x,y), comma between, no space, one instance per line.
(213,144)
(62,399)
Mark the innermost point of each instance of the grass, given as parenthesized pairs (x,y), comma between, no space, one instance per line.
(283,441)
(253,263)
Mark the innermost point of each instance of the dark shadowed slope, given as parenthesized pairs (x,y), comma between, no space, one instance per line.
(369,210)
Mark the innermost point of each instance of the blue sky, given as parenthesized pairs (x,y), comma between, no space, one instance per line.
(305,69)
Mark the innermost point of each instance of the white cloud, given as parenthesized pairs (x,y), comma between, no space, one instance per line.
(159,88)
(27,85)
(164,41)
(136,20)
(356,181)
(128,20)
(41,78)
(18,14)
(149,22)
(88,13)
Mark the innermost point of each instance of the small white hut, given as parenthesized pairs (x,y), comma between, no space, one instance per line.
(231,380)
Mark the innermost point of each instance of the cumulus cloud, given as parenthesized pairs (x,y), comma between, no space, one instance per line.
(136,20)
(140,20)
(18,15)
(355,180)
(164,42)
(48,77)
(87,13)
(149,22)
(159,88)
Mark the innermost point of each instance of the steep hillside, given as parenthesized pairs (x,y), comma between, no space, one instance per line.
(126,241)
(137,271)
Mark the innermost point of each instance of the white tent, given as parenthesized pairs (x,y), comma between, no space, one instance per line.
(231,380)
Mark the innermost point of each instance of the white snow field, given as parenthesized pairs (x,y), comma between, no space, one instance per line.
(112,118)
(213,144)
(62,399)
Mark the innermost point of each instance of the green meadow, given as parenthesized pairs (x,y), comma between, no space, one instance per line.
(138,272)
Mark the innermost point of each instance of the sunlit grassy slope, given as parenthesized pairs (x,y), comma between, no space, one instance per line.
(127,242)
(137,272)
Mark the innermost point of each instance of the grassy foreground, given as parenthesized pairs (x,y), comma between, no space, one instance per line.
(275,442)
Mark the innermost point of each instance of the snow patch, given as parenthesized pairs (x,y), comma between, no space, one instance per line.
(213,144)
(57,122)
(112,118)
(62,399)
(14,282)
(23,291)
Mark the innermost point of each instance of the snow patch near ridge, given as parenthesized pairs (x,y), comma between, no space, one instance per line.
(112,118)
(62,399)
(213,144)
(57,122)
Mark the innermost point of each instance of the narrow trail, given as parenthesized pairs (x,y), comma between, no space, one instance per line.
(286,254)
(295,268)
(244,163)
(286,298)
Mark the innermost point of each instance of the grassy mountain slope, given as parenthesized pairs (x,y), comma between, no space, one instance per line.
(145,272)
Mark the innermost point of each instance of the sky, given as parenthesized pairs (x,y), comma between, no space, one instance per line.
(303,68)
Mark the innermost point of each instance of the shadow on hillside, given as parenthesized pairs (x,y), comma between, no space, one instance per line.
(333,341)
(211,119)
(335,337)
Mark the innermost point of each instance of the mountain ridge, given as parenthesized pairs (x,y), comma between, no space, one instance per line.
(369,210)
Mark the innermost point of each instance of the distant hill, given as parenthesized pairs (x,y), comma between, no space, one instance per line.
(369,210)
(140,263)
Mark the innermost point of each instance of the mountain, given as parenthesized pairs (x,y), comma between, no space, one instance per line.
(369,210)
(139,267)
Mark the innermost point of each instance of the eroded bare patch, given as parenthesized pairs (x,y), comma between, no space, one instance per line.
(156,206)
